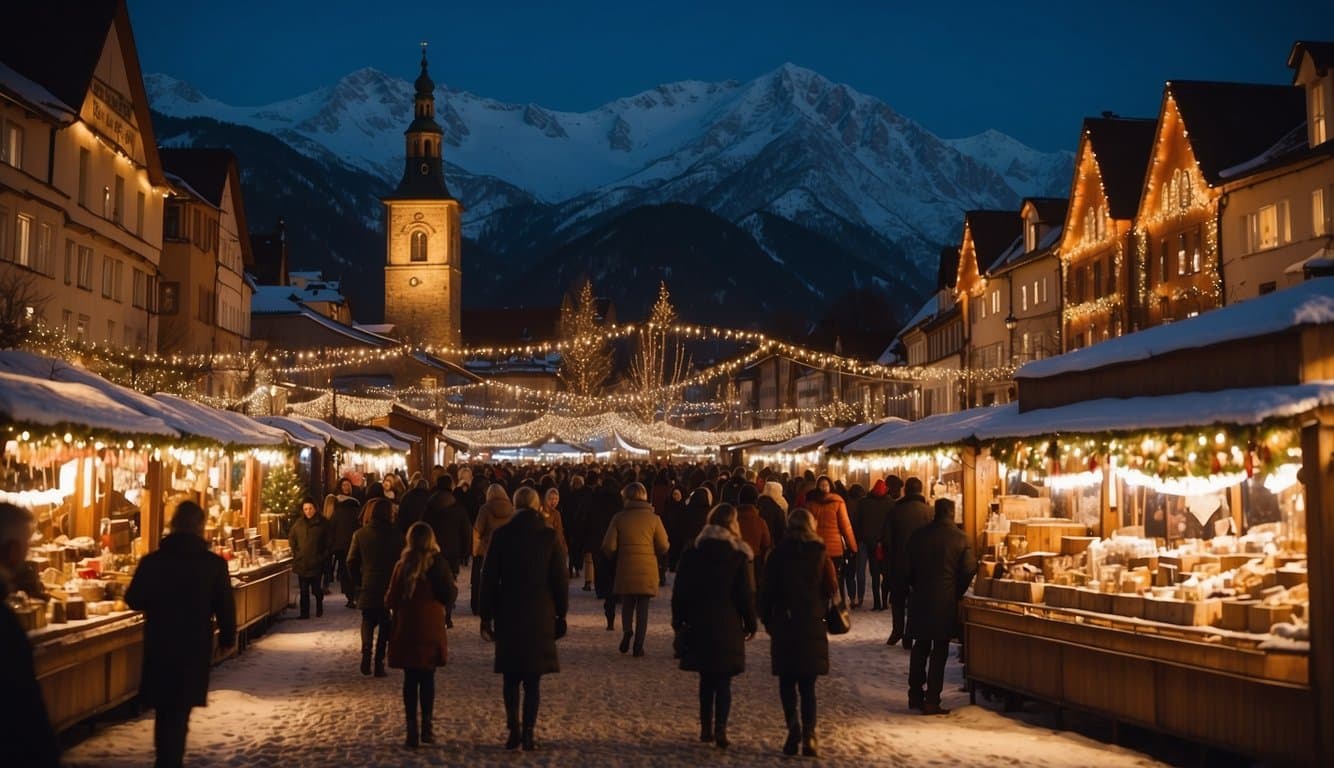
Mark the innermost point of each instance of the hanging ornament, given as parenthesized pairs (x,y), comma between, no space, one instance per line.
(1250,459)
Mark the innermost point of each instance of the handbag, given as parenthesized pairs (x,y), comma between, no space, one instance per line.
(879,554)
(838,619)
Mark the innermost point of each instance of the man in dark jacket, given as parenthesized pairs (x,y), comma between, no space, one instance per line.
(523,602)
(453,530)
(412,508)
(909,514)
(181,588)
(370,560)
(868,523)
(940,568)
(345,522)
(311,540)
(25,729)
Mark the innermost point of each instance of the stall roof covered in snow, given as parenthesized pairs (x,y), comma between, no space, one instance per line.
(340,437)
(298,431)
(801,443)
(941,429)
(226,427)
(1310,303)
(373,439)
(32,402)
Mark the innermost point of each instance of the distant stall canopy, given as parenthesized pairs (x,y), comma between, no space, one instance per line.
(612,429)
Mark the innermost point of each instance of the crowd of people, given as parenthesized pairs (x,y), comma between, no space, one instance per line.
(749,550)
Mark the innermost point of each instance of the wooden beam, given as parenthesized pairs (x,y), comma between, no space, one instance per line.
(1318,477)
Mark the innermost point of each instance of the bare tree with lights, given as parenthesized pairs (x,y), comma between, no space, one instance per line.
(659,363)
(585,356)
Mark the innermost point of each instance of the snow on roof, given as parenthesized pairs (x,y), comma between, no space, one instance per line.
(36,96)
(1238,407)
(399,434)
(1321,259)
(299,432)
(339,437)
(40,367)
(32,402)
(226,427)
(184,186)
(1309,303)
(373,439)
(805,442)
(275,300)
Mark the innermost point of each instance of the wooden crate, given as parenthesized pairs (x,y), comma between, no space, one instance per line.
(1260,618)
(1095,601)
(1059,596)
(1045,535)
(1073,545)
(982,586)
(1017,591)
(1131,606)
(1235,615)
(1200,613)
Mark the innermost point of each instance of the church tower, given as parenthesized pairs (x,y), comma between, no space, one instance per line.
(423,275)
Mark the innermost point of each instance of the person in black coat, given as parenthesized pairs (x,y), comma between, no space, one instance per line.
(799,583)
(575,508)
(370,561)
(25,728)
(940,568)
(868,523)
(689,522)
(713,613)
(909,514)
(605,504)
(523,602)
(453,530)
(412,507)
(344,514)
(311,540)
(181,588)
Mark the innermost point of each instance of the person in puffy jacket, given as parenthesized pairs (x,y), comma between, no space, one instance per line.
(635,538)
(834,527)
(311,540)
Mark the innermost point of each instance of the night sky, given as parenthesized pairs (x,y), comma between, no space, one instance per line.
(1029,69)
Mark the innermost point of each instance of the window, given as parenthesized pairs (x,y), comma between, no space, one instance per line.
(1097,279)
(139,215)
(117,283)
(1031,236)
(23,241)
(41,261)
(69,262)
(81,328)
(85,160)
(85,267)
(1267,227)
(1196,259)
(106,201)
(1187,188)
(118,201)
(171,221)
(107,276)
(1319,120)
(419,246)
(4,234)
(111,332)
(995,302)
(1319,224)
(11,150)
(139,289)
(1183,258)
(1044,290)
(1024,301)
(67,321)
(1162,260)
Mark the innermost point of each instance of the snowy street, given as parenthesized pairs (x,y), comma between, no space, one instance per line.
(295,698)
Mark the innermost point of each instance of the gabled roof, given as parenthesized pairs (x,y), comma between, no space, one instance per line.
(947,271)
(207,172)
(1122,147)
(1231,123)
(1321,53)
(57,45)
(992,233)
(1051,210)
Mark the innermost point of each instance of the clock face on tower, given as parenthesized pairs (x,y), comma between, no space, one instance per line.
(425,169)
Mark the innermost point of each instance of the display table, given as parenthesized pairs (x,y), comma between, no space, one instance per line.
(1199,683)
(261,592)
(87,667)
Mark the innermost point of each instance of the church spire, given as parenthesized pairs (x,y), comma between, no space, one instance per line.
(423,169)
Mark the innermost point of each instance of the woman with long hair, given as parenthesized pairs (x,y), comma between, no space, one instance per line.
(713,613)
(419,589)
(799,581)
(550,512)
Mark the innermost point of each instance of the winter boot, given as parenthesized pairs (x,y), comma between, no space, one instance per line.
(528,743)
(365,662)
(625,641)
(808,741)
(515,738)
(379,668)
(411,742)
(720,735)
(428,732)
(793,732)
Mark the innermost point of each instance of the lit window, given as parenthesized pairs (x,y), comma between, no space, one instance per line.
(42,259)
(1024,301)
(85,160)
(419,246)
(23,241)
(11,149)
(1319,120)
(85,268)
(1319,223)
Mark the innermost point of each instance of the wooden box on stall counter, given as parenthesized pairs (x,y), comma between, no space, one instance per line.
(1017,591)
(1060,596)
(982,586)
(1200,613)
(1290,577)
(1236,615)
(1074,545)
(1233,562)
(1044,535)
(1095,601)
(1150,562)
(1183,563)
(1131,606)
(1261,617)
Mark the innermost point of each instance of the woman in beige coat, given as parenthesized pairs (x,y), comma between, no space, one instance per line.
(635,538)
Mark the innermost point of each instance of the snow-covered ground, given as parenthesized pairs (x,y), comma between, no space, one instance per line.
(295,698)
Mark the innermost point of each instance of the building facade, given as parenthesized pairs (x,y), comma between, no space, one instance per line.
(81,183)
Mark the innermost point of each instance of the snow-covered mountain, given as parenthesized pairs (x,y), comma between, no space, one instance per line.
(789,143)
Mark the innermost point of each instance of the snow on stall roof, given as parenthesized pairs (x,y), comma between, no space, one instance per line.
(31,402)
(399,434)
(342,438)
(374,440)
(41,367)
(226,427)
(1309,303)
(296,430)
(802,443)
(1238,407)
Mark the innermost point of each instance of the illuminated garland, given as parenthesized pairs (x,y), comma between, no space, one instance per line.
(1095,308)
(585,429)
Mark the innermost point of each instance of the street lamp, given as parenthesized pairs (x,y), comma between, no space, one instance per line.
(1011,322)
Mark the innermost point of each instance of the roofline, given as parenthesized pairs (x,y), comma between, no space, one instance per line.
(125,34)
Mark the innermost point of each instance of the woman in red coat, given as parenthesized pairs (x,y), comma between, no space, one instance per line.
(420,588)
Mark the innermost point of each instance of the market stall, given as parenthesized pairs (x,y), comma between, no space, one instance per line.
(1196,600)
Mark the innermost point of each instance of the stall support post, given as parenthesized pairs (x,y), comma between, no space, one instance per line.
(152,506)
(972,497)
(84,519)
(1318,468)
(251,489)
(1108,519)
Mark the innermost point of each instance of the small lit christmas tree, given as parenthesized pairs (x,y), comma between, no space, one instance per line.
(282,494)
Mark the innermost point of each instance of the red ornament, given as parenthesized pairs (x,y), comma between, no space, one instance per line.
(1216,466)
(1093,463)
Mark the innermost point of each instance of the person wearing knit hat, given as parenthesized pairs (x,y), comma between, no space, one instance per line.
(773,509)
(868,523)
